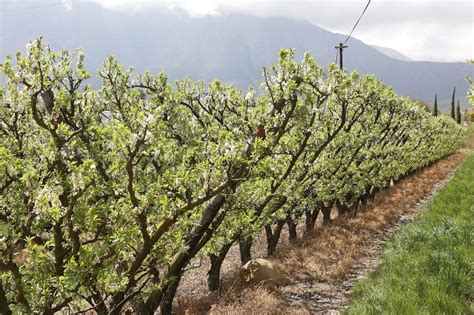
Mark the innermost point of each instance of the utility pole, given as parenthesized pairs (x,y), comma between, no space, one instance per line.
(340,47)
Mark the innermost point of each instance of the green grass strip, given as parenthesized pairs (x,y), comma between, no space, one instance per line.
(428,267)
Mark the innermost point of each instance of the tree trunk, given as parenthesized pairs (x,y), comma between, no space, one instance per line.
(153,300)
(365,198)
(273,236)
(4,307)
(166,305)
(99,303)
(292,234)
(342,208)
(196,239)
(354,209)
(310,221)
(372,194)
(327,214)
(245,246)
(214,274)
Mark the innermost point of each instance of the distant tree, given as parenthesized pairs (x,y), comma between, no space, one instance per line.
(458,113)
(435,109)
(453,100)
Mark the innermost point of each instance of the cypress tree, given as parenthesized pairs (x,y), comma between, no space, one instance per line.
(458,113)
(435,109)
(453,115)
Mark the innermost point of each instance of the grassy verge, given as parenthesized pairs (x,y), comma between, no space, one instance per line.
(428,268)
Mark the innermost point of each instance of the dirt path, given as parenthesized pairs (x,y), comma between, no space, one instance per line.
(325,266)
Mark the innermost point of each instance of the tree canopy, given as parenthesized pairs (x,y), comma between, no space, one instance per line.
(107,194)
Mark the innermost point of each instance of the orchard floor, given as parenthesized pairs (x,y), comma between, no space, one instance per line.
(323,266)
(427,267)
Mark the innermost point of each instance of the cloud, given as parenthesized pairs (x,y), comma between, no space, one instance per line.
(67,4)
(127,5)
(421,29)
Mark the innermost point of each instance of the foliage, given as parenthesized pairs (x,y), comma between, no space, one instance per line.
(470,92)
(470,116)
(421,104)
(107,194)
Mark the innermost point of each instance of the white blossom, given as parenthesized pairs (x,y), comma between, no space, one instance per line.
(150,119)
(250,95)
(29,47)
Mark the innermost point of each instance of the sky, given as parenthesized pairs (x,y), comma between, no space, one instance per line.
(419,29)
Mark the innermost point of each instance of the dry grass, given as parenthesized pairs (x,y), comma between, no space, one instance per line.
(324,257)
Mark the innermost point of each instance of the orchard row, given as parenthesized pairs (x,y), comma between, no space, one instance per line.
(107,194)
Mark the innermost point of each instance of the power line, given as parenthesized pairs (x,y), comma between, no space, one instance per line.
(32,8)
(358,20)
(341,46)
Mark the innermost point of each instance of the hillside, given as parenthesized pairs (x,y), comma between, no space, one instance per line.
(392,53)
(230,47)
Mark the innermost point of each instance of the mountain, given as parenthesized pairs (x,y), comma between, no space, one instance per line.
(230,47)
(392,53)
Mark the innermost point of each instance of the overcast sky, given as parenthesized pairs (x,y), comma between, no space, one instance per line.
(420,29)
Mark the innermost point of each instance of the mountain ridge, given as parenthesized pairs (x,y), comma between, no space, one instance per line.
(231,47)
(392,53)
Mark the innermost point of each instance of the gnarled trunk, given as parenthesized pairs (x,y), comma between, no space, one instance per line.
(354,209)
(327,214)
(166,305)
(214,274)
(342,208)
(4,307)
(310,221)
(273,236)
(245,246)
(292,234)
(196,239)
